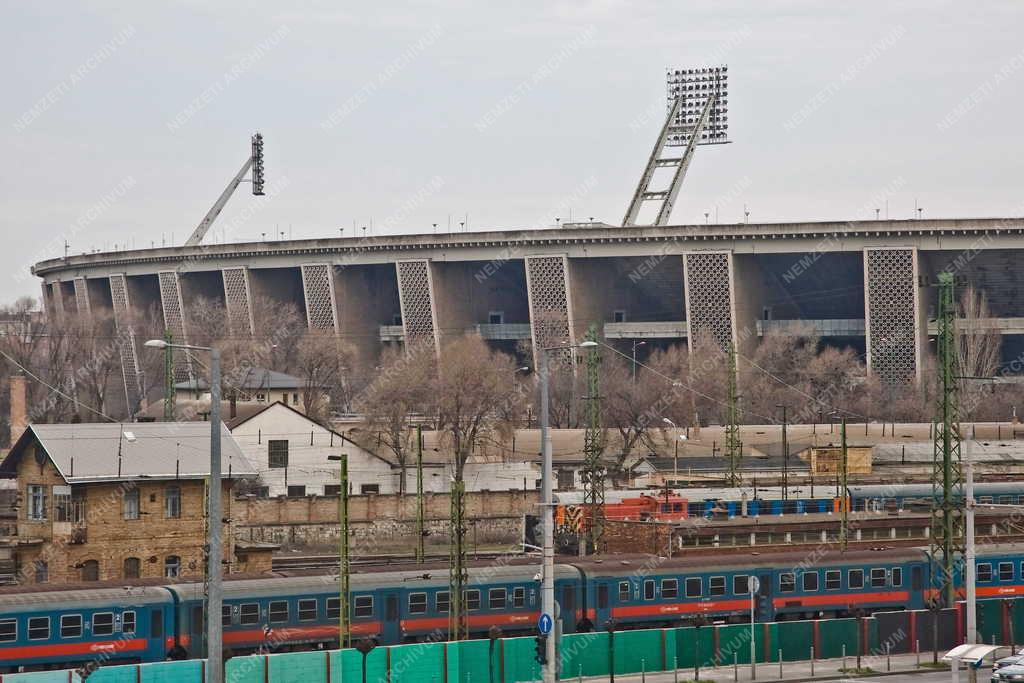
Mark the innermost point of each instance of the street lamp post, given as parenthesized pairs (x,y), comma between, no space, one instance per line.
(636,344)
(215,550)
(548,554)
(785,457)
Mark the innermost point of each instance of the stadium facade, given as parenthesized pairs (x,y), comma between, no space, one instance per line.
(868,284)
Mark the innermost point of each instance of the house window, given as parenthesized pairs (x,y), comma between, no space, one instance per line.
(172,502)
(369,488)
(1006,571)
(496,598)
(295,399)
(417,603)
(566,479)
(984,571)
(132,567)
(296,491)
(42,571)
(332,489)
(877,577)
(172,567)
(128,623)
(810,580)
(717,584)
(855,579)
(442,602)
(307,610)
(619,316)
(103,624)
(278,612)
(472,599)
(694,587)
(284,398)
(333,608)
(519,596)
(131,504)
(833,580)
(741,584)
(71,626)
(496,317)
(249,614)
(36,502)
(90,570)
(787,582)
(39,628)
(623,591)
(277,453)
(363,606)
(8,630)
(62,504)
(669,588)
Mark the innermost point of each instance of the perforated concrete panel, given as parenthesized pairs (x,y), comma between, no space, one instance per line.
(547,287)
(126,339)
(416,297)
(710,304)
(318,291)
(81,296)
(238,301)
(892,314)
(174,320)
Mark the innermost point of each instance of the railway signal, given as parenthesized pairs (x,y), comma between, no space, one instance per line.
(540,649)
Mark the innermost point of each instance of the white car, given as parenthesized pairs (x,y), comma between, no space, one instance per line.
(1008,674)
(1008,661)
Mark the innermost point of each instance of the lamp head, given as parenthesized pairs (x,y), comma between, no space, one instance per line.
(156,344)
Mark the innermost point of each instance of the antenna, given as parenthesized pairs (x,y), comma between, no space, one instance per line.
(255,162)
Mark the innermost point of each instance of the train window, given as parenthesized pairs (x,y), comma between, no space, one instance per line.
(1022,570)
(1006,500)
(787,582)
(417,603)
(278,612)
(1006,571)
(985,500)
(855,579)
(39,628)
(307,609)
(833,580)
(897,576)
(333,608)
(8,630)
(602,596)
(71,626)
(877,577)
(249,614)
(568,602)
(694,587)
(496,598)
(363,606)
(128,623)
(648,589)
(442,602)
(519,596)
(984,571)
(623,591)
(156,623)
(472,599)
(669,588)
(225,615)
(717,585)
(810,581)
(741,584)
(103,624)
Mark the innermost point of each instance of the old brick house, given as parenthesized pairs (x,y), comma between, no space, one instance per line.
(120,501)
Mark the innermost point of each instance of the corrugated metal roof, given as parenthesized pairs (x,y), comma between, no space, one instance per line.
(254,378)
(88,452)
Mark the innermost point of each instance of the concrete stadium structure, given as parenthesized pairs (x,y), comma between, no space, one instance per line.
(863,283)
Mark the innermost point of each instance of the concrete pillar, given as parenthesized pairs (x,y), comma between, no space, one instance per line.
(82,296)
(238,301)
(710,296)
(318,293)
(45,302)
(893,315)
(121,306)
(57,298)
(416,298)
(366,297)
(550,297)
(174,321)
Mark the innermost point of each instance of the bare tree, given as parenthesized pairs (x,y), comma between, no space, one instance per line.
(95,359)
(322,360)
(633,407)
(399,392)
(979,348)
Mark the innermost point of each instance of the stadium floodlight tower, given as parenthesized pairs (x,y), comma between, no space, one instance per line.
(255,162)
(698,114)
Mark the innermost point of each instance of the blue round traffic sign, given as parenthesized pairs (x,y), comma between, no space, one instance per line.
(544,623)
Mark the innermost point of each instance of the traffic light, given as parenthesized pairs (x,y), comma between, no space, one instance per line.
(540,647)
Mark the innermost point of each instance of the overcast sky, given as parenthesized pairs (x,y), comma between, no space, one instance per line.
(122,122)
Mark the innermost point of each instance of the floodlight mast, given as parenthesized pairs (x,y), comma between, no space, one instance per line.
(697,115)
(255,162)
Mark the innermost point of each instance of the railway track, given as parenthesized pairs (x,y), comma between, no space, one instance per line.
(310,562)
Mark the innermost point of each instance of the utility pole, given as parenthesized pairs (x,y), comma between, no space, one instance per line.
(733,445)
(458,576)
(844,500)
(969,549)
(420,531)
(344,558)
(593,446)
(168,379)
(947,528)
(785,456)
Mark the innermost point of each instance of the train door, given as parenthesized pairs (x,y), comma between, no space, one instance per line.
(763,608)
(567,607)
(390,628)
(602,603)
(196,631)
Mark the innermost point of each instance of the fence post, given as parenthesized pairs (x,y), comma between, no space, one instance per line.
(888,656)
(643,671)
(812,662)
(581,673)
(844,658)
(675,668)
(780,664)
(917,653)
(735,666)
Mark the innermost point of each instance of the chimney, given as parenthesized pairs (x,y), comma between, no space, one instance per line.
(19,409)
